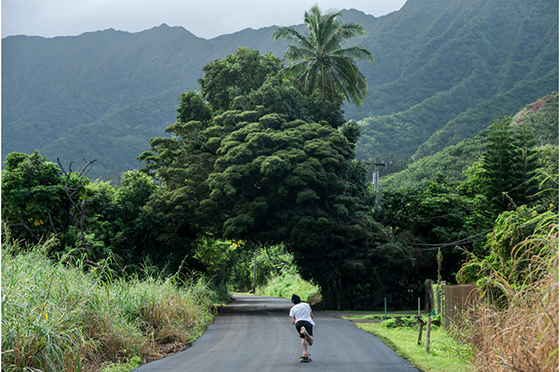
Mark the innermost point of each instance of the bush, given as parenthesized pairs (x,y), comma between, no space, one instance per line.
(411,322)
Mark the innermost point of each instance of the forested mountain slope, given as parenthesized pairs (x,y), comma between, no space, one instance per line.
(451,67)
(452,162)
(444,69)
(99,95)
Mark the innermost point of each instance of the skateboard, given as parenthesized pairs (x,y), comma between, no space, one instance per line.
(305,359)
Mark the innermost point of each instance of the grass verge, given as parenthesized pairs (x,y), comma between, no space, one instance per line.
(446,355)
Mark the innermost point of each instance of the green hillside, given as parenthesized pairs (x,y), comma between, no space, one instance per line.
(451,162)
(62,91)
(457,64)
(443,70)
(103,95)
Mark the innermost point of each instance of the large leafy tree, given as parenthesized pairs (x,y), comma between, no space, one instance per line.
(277,171)
(37,200)
(266,180)
(324,63)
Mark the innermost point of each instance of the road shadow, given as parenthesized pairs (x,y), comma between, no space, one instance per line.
(256,304)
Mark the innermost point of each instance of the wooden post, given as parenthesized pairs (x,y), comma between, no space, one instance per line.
(438,302)
(420,332)
(428,327)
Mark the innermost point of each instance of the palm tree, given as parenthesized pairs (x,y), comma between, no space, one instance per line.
(324,64)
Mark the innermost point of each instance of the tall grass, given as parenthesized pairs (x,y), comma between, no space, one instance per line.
(60,316)
(519,331)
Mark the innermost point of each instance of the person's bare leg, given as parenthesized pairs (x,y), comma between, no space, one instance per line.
(307,337)
(304,346)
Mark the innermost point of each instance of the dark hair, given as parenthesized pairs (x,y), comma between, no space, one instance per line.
(295,299)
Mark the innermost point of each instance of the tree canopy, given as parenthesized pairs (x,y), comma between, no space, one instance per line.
(277,171)
(235,75)
(324,62)
(34,202)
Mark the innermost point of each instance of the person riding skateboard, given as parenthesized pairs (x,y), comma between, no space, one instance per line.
(302,318)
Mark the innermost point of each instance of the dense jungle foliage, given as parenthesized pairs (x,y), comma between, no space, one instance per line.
(269,174)
(444,69)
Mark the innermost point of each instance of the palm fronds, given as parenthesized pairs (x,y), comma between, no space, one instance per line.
(322,61)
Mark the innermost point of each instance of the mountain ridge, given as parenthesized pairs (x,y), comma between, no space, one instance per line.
(439,71)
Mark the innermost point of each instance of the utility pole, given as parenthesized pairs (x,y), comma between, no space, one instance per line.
(375,176)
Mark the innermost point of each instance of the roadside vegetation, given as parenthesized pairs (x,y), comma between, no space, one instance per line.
(63,315)
(287,284)
(447,353)
(514,325)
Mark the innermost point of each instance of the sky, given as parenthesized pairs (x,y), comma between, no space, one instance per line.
(204,18)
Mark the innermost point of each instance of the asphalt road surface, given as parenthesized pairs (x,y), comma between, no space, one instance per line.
(254,333)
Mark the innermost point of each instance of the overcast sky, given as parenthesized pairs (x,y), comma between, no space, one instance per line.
(204,18)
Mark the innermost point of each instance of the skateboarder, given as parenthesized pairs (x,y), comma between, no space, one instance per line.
(302,318)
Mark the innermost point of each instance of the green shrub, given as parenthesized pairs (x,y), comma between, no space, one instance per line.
(411,322)
(390,323)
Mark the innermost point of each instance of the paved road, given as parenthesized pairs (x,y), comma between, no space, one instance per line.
(254,333)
